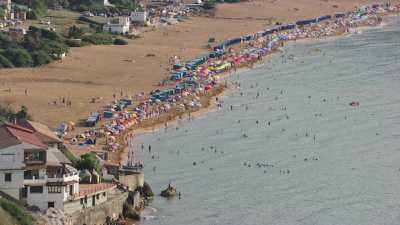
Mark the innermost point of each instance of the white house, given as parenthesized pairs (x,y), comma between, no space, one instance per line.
(6,4)
(118,25)
(138,17)
(33,172)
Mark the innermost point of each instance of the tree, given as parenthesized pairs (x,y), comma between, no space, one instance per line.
(7,114)
(75,32)
(119,41)
(5,63)
(39,8)
(2,13)
(22,114)
(89,162)
(41,57)
(210,4)
(19,57)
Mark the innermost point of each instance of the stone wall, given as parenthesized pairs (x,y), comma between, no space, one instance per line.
(97,215)
(132,180)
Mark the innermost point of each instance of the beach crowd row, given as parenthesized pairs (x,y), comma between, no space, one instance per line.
(188,82)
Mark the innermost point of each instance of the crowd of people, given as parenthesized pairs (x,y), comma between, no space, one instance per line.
(202,76)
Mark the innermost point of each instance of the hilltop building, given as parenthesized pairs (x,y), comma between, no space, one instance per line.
(6,4)
(138,17)
(118,25)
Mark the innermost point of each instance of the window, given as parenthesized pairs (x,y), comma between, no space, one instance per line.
(54,189)
(8,177)
(36,189)
(98,196)
(104,194)
(81,201)
(31,174)
(50,204)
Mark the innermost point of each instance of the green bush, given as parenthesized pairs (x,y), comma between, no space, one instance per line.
(90,21)
(5,63)
(75,32)
(210,4)
(19,57)
(40,58)
(89,162)
(99,39)
(119,41)
(17,212)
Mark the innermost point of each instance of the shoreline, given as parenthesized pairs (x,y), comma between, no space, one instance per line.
(212,107)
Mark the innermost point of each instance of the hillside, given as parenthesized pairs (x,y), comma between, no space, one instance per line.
(6,219)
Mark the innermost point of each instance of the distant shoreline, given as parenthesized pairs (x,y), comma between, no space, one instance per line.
(209,98)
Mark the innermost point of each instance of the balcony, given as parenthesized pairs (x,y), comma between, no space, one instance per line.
(29,162)
(54,178)
(34,180)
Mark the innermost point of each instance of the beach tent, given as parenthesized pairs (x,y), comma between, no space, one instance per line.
(306,22)
(233,41)
(247,37)
(287,27)
(91,122)
(216,54)
(177,75)
(177,66)
(322,18)
(219,47)
(107,114)
(340,15)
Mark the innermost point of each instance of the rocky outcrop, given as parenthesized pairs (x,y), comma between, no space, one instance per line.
(130,212)
(169,192)
(146,191)
(54,217)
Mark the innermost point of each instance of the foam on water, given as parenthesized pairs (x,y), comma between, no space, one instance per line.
(348,175)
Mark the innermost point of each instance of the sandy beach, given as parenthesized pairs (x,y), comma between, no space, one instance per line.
(293,150)
(101,71)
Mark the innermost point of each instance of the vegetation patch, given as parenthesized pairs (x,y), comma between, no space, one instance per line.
(16,212)
(37,47)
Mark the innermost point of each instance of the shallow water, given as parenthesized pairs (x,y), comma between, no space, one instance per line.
(327,162)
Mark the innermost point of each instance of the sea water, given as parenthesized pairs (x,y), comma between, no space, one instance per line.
(298,153)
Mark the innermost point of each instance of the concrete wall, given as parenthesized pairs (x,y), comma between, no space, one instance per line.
(12,188)
(41,199)
(97,215)
(77,204)
(132,181)
(11,161)
(13,156)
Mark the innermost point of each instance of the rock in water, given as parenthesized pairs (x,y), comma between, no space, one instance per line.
(130,212)
(169,192)
(147,190)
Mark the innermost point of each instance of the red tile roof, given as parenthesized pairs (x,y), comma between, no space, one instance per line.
(88,189)
(24,135)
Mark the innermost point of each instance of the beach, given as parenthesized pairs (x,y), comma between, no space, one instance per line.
(102,71)
(300,152)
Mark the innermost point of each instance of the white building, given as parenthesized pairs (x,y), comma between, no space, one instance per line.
(33,172)
(138,17)
(6,4)
(118,25)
